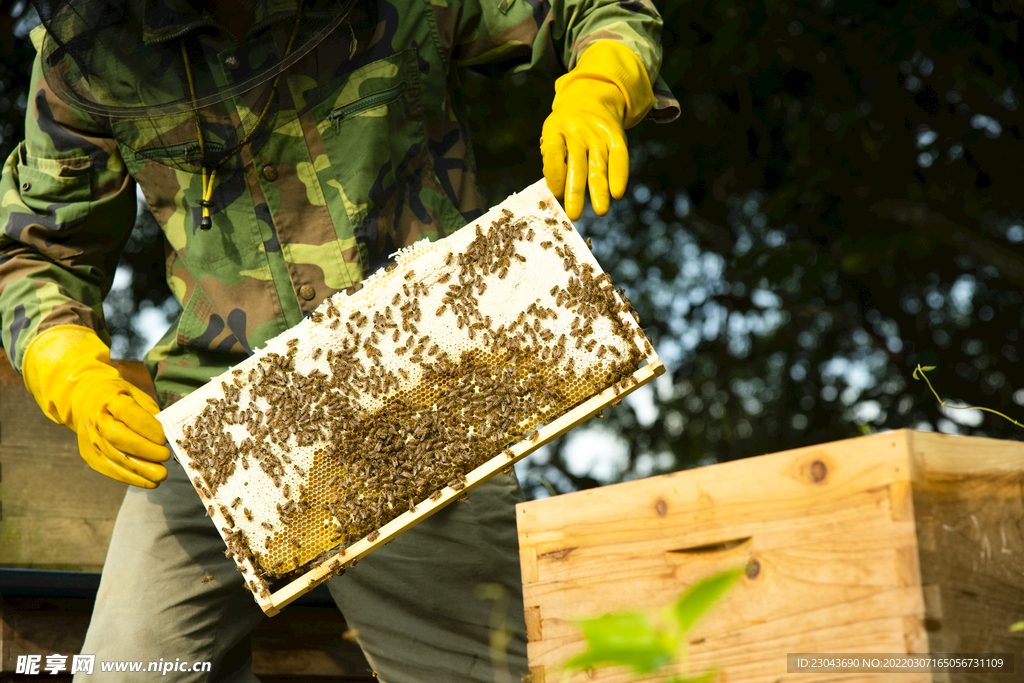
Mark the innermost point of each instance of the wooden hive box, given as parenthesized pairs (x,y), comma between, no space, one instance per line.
(902,542)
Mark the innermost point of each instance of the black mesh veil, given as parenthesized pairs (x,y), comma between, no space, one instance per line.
(187,86)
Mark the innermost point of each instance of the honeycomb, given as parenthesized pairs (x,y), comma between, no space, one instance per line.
(397,389)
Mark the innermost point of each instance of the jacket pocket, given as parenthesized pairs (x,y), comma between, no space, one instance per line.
(382,170)
(49,183)
(173,196)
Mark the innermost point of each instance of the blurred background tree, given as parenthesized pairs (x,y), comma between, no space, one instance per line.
(836,204)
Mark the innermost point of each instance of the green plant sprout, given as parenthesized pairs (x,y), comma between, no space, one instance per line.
(543,482)
(929,368)
(649,641)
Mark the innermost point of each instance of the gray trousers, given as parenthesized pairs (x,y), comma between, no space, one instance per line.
(416,603)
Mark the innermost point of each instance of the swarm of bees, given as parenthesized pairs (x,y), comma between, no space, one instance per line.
(371,408)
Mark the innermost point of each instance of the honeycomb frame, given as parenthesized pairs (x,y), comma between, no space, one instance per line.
(501,416)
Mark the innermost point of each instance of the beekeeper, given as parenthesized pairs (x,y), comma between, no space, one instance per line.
(286,148)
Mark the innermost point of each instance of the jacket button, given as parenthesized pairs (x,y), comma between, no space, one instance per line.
(25,187)
(270,173)
(307,292)
(231,62)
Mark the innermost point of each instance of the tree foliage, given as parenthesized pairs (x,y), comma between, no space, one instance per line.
(837,204)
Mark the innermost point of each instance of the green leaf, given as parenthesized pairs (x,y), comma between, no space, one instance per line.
(928,368)
(915,374)
(624,639)
(1019,626)
(696,601)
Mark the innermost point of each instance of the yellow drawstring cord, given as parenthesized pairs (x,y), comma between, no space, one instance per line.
(210,174)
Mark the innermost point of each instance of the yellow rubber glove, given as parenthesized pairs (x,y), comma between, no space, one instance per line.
(67,369)
(585,135)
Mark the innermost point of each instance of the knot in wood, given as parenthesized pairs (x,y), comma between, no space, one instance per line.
(818,471)
(753,569)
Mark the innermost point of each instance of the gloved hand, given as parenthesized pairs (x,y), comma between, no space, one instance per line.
(608,92)
(67,369)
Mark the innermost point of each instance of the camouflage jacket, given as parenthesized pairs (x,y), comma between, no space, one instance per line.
(371,165)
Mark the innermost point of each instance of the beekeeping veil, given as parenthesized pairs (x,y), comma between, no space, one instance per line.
(179,88)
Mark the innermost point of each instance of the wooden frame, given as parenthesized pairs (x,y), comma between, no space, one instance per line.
(534,200)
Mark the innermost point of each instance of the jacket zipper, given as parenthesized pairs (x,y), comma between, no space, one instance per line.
(341,113)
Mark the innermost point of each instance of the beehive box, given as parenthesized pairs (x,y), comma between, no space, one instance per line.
(903,542)
(406,392)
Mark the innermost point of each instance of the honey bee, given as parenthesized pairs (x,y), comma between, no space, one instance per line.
(444,278)
(529,235)
(207,579)
(267,525)
(372,536)
(589,245)
(448,259)
(248,513)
